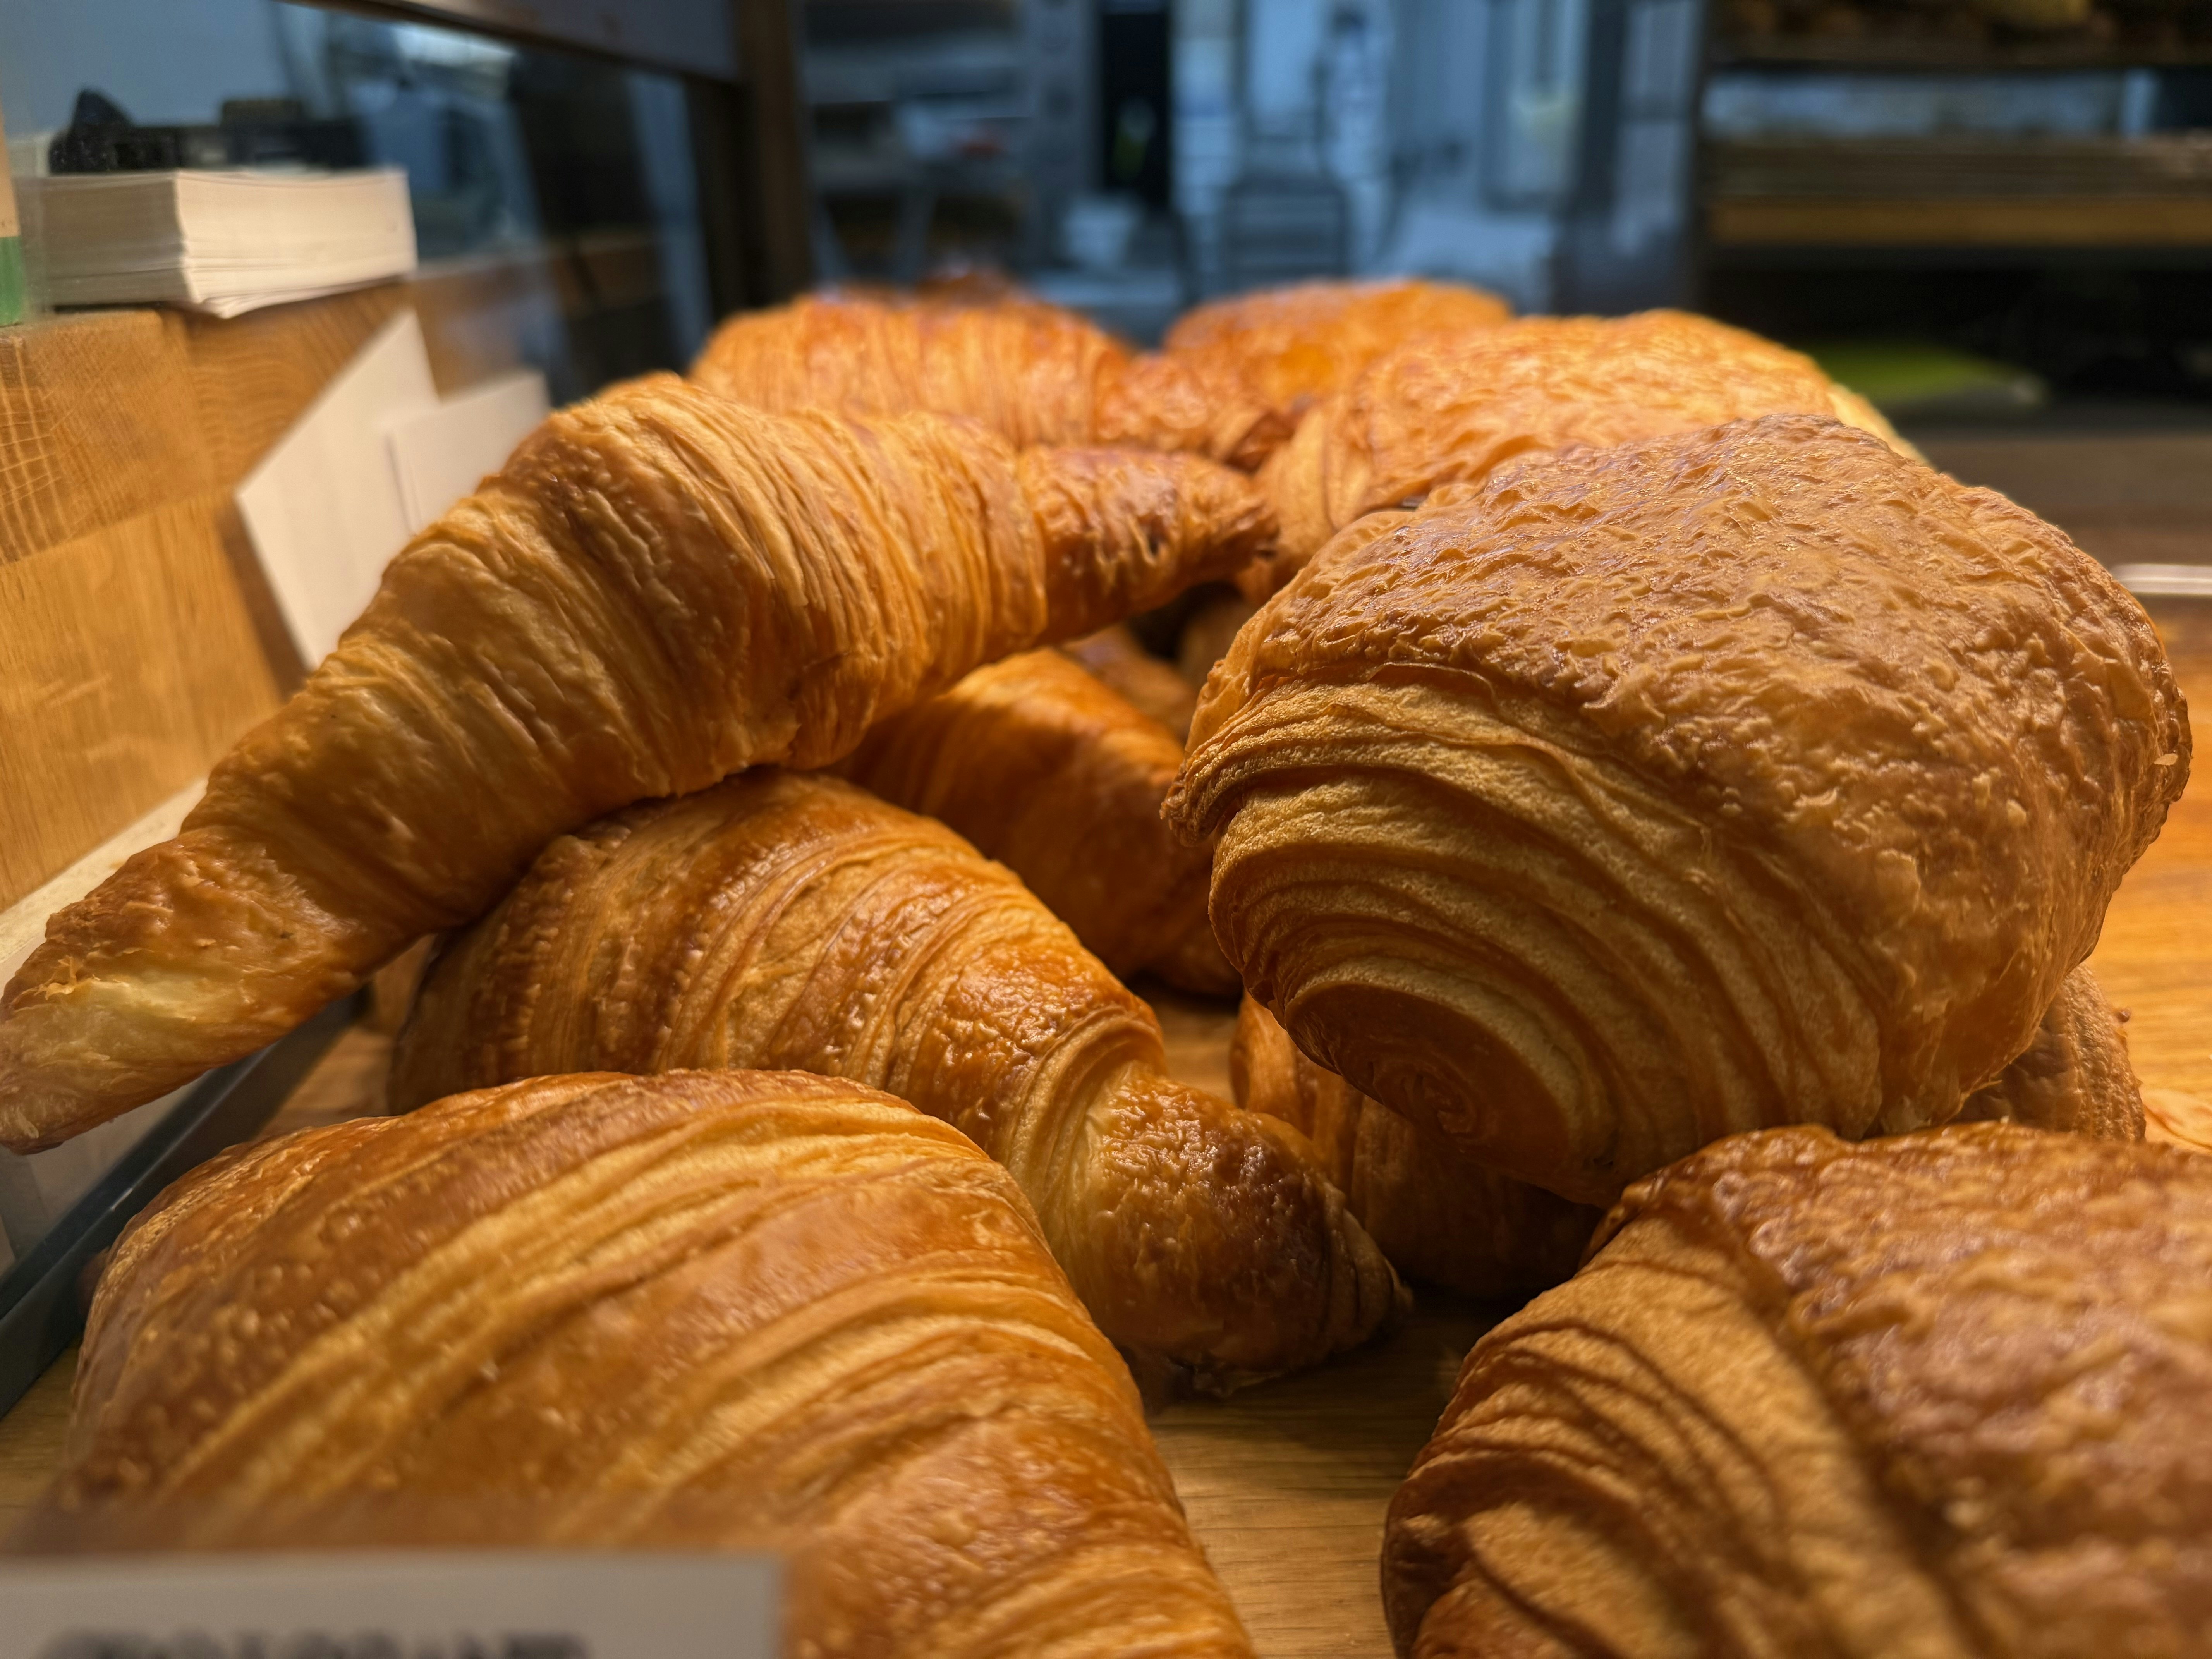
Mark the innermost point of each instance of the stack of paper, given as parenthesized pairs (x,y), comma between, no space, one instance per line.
(223,242)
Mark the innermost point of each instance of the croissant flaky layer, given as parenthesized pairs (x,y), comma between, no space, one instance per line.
(661,587)
(1044,767)
(1933,1396)
(1282,348)
(698,1311)
(1449,408)
(1031,371)
(1440,1217)
(2075,1075)
(787,921)
(1651,794)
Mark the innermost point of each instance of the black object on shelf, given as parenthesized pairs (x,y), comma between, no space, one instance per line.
(41,1309)
(254,132)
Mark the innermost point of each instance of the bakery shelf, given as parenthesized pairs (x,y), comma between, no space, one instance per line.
(1940,222)
(1895,53)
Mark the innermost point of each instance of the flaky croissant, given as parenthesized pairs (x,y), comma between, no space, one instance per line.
(1280,350)
(1060,778)
(1653,793)
(1446,1220)
(1440,1217)
(2075,1075)
(783,919)
(1116,657)
(661,587)
(730,1310)
(1031,371)
(1449,408)
(1933,1397)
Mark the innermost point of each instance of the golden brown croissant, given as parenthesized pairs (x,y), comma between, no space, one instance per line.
(2075,1075)
(1445,1220)
(1653,793)
(1282,348)
(1440,1217)
(1449,408)
(1156,688)
(661,587)
(1060,778)
(783,919)
(731,1310)
(1935,1397)
(1031,371)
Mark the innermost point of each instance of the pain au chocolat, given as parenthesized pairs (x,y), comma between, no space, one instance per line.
(1645,795)
(1940,1396)
(700,1311)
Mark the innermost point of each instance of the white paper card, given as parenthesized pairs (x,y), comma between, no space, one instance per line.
(324,507)
(441,454)
(397,1605)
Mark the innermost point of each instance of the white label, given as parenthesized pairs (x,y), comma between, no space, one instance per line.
(390,1605)
(324,507)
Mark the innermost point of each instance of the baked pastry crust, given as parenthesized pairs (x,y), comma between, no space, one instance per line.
(661,587)
(1646,795)
(1932,1397)
(1450,409)
(1045,769)
(782,919)
(1281,349)
(1154,687)
(1031,371)
(2076,1074)
(1441,1218)
(698,1311)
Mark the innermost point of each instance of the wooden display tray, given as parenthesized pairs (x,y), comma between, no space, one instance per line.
(1286,1483)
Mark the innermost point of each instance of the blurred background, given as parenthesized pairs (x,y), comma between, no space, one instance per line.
(1978,210)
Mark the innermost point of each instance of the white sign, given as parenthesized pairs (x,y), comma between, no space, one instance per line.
(324,507)
(442,454)
(395,1605)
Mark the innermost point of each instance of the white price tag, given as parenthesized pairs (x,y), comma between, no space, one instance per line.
(390,1605)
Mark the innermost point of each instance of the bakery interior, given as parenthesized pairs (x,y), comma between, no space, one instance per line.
(1289,828)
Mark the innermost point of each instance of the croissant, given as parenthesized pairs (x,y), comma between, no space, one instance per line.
(1653,793)
(1936,1396)
(1449,408)
(2074,1075)
(782,919)
(1055,775)
(1445,1220)
(1116,656)
(660,588)
(736,1310)
(1282,348)
(1031,371)
(1438,1217)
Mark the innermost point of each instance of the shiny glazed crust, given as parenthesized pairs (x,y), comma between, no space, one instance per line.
(1647,795)
(1281,348)
(1936,1396)
(2074,1076)
(1440,1218)
(789,920)
(1449,408)
(697,1312)
(660,588)
(1156,688)
(1047,769)
(1030,371)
